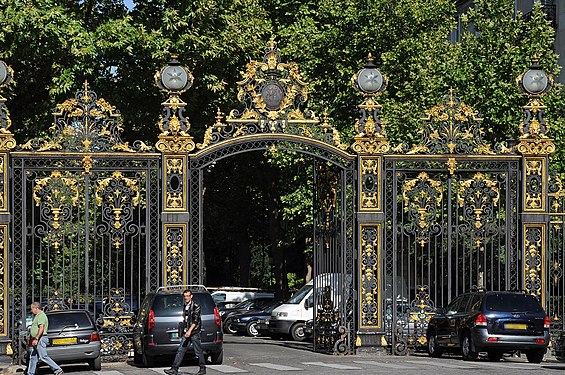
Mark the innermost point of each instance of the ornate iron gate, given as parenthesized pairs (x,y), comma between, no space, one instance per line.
(86,225)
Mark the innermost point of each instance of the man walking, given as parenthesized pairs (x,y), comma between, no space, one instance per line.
(192,320)
(39,341)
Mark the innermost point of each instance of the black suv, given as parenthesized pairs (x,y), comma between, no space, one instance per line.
(156,328)
(495,322)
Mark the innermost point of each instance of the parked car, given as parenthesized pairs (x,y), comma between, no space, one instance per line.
(73,338)
(246,322)
(242,307)
(155,331)
(560,347)
(228,297)
(495,322)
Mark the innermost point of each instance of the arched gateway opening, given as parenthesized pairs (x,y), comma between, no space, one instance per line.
(89,221)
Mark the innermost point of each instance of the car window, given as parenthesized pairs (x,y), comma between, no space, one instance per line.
(79,319)
(465,305)
(507,302)
(452,308)
(172,304)
(219,297)
(475,302)
(299,296)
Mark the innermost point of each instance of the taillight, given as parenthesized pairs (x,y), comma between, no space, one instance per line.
(546,322)
(481,321)
(151,320)
(217,317)
(94,337)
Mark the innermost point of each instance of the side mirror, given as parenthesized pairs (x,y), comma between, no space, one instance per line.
(308,303)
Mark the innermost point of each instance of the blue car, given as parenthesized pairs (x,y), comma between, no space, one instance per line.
(249,322)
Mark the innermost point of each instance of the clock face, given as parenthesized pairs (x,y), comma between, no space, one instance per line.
(175,78)
(370,80)
(3,72)
(535,81)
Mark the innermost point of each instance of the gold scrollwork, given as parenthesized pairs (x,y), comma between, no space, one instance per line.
(58,194)
(536,146)
(534,184)
(422,198)
(534,260)
(117,195)
(370,184)
(4,296)
(370,260)
(175,242)
(175,191)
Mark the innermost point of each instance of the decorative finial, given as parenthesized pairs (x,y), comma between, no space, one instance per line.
(272,42)
(370,58)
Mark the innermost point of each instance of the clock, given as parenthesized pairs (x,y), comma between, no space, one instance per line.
(175,78)
(535,81)
(4,74)
(370,80)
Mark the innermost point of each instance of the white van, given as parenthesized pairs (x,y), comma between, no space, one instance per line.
(289,318)
(230,296)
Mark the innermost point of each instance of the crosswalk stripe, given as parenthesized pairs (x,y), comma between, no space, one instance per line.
(225,369)
(274,366)
(332,365)
(439,364)
(385,365)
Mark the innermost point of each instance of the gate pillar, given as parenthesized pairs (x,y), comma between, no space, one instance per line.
(535,146)
(174,143)
(370,145)
(7,143)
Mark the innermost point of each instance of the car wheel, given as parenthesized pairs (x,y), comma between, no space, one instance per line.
(535,355)
(217,358)
(95,364)
(433,348)
(467,348)
(252,329)
(495,355)
(297,332)
(148,361)
(229,328)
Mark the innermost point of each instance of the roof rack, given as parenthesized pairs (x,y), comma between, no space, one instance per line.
(174,288)
(478,289)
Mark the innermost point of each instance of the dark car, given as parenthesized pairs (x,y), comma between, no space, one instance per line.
(157,324)
(242,307)
(494,322)
(73,338)
(247,322)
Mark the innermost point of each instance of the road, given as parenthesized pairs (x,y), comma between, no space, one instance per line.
(245,355)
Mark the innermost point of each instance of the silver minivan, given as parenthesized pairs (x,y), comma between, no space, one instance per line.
(156,328)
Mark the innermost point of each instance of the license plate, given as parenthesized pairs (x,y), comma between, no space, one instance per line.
(515,326)
(64,341)
(175,335)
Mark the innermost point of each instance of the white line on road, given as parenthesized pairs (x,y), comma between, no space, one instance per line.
(111,372)
(514,365)
(385,365)
(439,364)
(276,367)
(332,365)
(226,369)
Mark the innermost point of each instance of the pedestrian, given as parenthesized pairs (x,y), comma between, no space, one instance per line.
(38,341)
(192,321)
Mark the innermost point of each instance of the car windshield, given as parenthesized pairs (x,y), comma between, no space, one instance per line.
(244,304)
(299,296)
(512,303)
(58,321)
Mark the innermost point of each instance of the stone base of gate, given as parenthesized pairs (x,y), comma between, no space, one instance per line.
(371,343)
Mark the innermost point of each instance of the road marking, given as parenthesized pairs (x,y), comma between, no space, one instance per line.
(111,372)
(226,369)
(386,365)
(439,364)
(160,370)
(276,367)
(332,365)
(514,365)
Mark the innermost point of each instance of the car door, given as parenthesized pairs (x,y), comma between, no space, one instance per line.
(456,318)
(443,322)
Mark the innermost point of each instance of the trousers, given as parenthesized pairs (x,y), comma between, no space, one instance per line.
(183,347)
(39,352)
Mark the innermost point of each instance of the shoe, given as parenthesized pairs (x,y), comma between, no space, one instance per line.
(171,371)
(202,371)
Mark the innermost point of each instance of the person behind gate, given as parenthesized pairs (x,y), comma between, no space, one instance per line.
(39,341)
(192,321)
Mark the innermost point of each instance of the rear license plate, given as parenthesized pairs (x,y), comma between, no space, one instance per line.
(515,326)
(175,335)
(64,341)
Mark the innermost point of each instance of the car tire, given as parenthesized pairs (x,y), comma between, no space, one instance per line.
(148,360)
(434,350)
(217,358)
(228,328)
(495,355)
(467,348)
(95,364)
(297,332)
(535,355)
(252,329)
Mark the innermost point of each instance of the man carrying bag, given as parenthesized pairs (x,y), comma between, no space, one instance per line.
(192,321)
